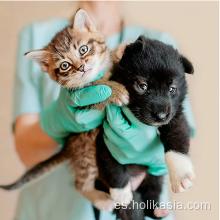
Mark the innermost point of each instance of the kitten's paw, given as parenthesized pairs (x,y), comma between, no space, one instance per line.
(105,205)
(180,171)
(122,100)
(120,96)
(123,196)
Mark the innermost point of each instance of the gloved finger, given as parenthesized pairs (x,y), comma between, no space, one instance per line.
(131,117)
(89,95)
(88,127)
(86,117)
(117,122)
(118,147)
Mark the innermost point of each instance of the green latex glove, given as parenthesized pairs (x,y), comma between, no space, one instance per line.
(133,142)
(62,118)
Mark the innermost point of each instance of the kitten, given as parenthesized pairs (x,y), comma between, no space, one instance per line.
(74,58)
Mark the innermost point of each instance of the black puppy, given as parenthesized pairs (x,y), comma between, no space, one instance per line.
(154,75)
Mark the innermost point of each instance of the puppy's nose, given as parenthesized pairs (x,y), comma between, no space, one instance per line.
(81,68)
(162,116)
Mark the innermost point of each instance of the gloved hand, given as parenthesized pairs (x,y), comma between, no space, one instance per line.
(133,142)
(62,117)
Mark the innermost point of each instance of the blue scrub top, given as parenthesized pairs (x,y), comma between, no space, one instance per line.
(54,196)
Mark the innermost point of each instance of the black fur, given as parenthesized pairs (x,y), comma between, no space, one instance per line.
(131,212)
(154,75)
(160,67)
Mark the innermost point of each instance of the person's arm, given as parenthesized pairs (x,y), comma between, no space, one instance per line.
(26,103)
(33,145)
(37,135)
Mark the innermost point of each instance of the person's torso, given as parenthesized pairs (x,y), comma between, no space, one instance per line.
(54,196)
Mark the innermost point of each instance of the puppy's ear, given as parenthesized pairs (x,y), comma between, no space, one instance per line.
(131,49)
(138,45)
(188,67)
(141,39)
(118,52)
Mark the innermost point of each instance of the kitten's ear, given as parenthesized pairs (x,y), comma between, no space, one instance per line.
(40,57)
(187,65)
(82,21)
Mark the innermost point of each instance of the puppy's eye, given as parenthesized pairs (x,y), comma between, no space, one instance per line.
(83,49)
(172,89)
(143,86)
(64,65)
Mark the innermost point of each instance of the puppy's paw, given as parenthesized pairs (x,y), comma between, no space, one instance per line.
(180,171)
(123,196)
(182,183)
(161,213)
(105,205)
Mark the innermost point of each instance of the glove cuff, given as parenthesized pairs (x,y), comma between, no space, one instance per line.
(49,123)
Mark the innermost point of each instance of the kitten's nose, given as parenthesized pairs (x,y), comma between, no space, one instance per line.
(81,68)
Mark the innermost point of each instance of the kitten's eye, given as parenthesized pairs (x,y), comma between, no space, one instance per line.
(64,65)
(172,89)
(143,86)
(83,49)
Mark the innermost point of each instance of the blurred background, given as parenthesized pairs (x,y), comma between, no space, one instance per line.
(194,25)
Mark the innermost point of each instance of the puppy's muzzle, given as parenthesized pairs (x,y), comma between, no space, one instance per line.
(160,117)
